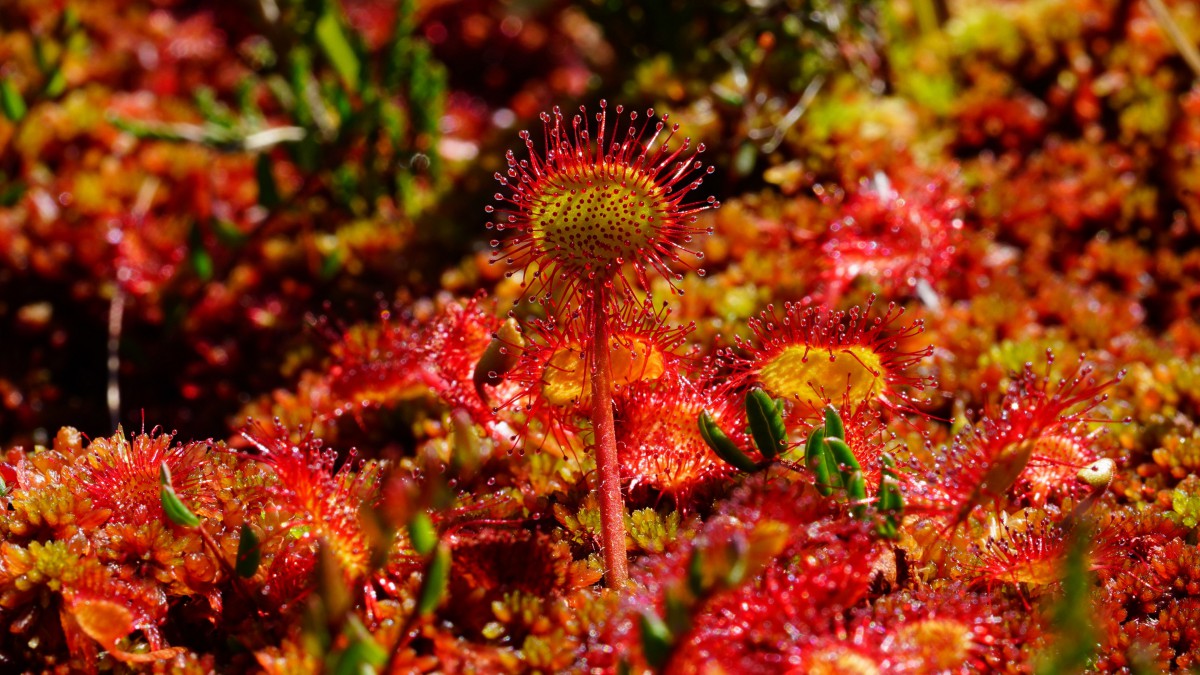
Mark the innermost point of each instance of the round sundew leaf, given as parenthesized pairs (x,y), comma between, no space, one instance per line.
(810,376)
(593,221)
(105,621)
(596,204)
(565,380)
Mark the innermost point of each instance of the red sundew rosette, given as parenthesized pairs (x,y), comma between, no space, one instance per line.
(908,238)
(1023,551)
(396,360)
(989,458)
(582,218)
(948,627)
(122,476)
(313,494)
(817,357)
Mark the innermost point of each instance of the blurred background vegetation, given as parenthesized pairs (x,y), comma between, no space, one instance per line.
(186,186)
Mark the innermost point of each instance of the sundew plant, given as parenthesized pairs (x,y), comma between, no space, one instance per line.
(386,336)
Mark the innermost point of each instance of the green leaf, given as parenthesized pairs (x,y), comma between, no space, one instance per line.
(227,233)
(813,447)
(677,605)
(198,256)
(268,191)
(696,576)
(1071,617)
(657,640)
(70,20)
(766,424)
(249,554)
(891,501)
(720,444)
(331,264)
(846,461)
(422,533)
(833,423)
(172,505)
(11,101)
(856,490)
(437,576)
(820,462)
(362,654)
(333,41)
(12,192)
(56,85)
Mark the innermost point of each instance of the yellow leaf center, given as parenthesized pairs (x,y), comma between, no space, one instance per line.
(565,379)
(588,223)
(817,376)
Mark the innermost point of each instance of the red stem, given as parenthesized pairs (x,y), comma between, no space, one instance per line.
(612,505)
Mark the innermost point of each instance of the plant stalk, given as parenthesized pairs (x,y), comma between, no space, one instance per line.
(612,505)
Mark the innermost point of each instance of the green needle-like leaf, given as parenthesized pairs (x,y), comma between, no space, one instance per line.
(890,499)
(725,448)
(172,505)
(422,533)
(856,491)
(833,424)
(847,462)
(819,461)
(268,190)
(656,639)
(766,424)
(437,576)
(363,654)
(249,555)
(11,101)
(333,41)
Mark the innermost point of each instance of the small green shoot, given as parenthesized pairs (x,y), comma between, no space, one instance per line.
(248,554)
(175,509)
